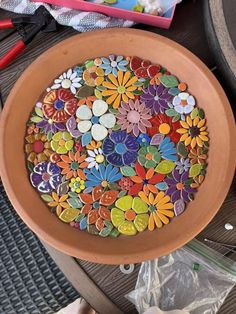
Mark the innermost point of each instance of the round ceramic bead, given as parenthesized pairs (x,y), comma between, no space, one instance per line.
(228,226)
(66,83)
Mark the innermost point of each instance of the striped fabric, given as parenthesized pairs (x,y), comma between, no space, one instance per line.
(79,20)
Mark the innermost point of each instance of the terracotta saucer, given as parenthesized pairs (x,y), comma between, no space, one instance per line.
(147,245)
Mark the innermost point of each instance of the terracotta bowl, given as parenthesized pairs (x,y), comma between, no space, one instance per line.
(147,245)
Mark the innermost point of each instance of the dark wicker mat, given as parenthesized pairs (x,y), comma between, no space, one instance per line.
(30,281)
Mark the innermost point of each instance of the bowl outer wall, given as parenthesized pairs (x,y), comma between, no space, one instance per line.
(147,245)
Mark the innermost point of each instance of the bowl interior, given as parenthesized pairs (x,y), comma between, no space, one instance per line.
(146,245)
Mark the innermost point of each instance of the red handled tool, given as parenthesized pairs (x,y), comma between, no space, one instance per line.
(40,21)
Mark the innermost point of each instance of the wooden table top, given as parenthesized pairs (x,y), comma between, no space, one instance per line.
(220,25)
(188,30)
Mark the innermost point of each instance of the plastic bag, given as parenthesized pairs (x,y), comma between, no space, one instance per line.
(165,5)
(156,310)
(194,278)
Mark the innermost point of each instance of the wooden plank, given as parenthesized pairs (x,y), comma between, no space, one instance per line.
(220,30)
(106,275)
(82,283)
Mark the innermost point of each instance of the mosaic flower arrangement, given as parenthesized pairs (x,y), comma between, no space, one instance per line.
(116,145)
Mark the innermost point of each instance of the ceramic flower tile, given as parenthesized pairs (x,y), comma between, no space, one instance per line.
(117,145)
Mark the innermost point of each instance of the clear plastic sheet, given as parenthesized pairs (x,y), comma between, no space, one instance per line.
(194,278)
(165,5)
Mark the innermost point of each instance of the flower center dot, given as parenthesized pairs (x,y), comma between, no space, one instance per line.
(96,205)
(93,75)
(50,121)
(66,83)
(104,184)
(59,104)
(62,142)
(130,215)
(152,208)
(145,181)
(113,64)
(74,165)
(184,102)
(133,116)
(121,89)
(38,147)
(156,97)
(55,157)
(148,156)
(179,186)
(194,131)
(76,184)
(99,158)
(120,148)
(95,120)
(46,176)
(164,128)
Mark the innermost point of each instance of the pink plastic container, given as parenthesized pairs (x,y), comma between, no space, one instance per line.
(163,22)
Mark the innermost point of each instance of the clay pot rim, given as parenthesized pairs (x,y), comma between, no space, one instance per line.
(134,256)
